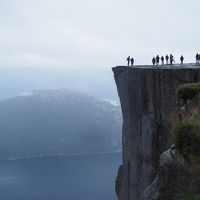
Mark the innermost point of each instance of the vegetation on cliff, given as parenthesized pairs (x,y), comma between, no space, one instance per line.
(192,197)
(188,91)
(187,133)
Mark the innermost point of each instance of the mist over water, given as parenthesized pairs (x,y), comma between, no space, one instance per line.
(62,44)
(98,83)
(89,176)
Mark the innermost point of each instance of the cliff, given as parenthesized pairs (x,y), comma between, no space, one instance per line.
(149,108)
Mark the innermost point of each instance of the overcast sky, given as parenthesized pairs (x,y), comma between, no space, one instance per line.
(96,33)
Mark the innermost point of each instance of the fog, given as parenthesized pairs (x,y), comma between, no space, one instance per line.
(42,124)
(49,45)
(98,83)
(95,34)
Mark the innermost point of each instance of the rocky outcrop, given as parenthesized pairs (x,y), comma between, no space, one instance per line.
(149,107)
(175,180)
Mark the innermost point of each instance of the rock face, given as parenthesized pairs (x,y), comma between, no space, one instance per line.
(149,107)
(173,178)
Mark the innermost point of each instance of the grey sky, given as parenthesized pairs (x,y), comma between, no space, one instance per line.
(96,33)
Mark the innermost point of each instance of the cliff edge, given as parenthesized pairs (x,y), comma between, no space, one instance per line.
(149,108)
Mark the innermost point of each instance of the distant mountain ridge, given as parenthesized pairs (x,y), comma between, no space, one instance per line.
(56,122)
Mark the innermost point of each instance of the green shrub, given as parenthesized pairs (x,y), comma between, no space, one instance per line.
(188,90)
(192,197)
(187,139)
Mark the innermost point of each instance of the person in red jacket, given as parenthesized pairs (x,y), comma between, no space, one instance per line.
(171,59)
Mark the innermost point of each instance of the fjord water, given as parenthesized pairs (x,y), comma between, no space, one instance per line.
(79,177)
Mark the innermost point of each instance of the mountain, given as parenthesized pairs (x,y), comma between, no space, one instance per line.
(57,122)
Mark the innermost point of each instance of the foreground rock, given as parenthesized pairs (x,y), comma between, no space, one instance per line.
(175,179)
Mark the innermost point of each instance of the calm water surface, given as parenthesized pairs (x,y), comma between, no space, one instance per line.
(89,177)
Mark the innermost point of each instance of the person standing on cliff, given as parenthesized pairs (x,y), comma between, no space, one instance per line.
(162,59)
(154,61)
(132,61)
(167,59)
(157,60)
(171,59)
(197,58)
(181,59)
(128,60)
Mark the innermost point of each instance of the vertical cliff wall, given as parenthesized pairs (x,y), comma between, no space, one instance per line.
(149,107)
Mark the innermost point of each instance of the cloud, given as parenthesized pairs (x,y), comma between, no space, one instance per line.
(95,33)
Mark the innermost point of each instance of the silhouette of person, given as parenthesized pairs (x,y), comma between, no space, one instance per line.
(132,61)
(181,59)
(171,59)
(197,58)
(128,59)
(157,60)
(162,59)
(167,59)
(153,61)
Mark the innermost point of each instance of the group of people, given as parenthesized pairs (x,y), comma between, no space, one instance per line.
(130,60)
(170,58)
(198,58)
(164,60)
